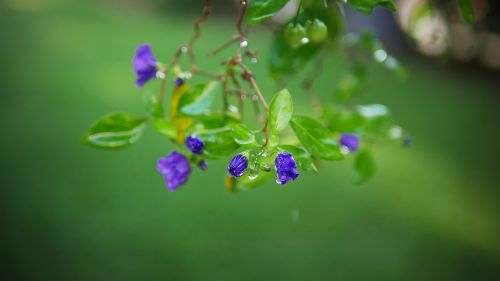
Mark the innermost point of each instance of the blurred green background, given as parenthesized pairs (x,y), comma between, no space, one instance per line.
(69,212)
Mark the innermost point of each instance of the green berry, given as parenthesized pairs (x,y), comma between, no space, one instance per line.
(317,31)
(294,34)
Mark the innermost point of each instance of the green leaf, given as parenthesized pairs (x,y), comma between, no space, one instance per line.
(364,167)
(280,112)
(272,141)
(243,135)
(367,6)
(218,142)
(303,158)
(165,128)
(115,130)
(315,138)
(213,121)
(261,10)
(467,10)
(153,106)
(198,99)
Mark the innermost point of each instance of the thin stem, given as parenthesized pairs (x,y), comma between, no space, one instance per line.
(256,108)
(196,71)
(166,71)
(162,89)
(241,93)
(207,9)
(197,31)
(226,44)
(253,84)
(241,18)
(225,100)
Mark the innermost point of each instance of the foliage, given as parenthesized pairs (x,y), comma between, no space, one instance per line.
(284,140)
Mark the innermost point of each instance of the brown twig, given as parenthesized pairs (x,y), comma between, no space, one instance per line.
(241,93)
(239,24)
(248,76)
(230,74)
(210,74)
(226,44)
(188,48)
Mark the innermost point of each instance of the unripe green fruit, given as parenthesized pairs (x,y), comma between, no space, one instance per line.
(317,31)
(294,34)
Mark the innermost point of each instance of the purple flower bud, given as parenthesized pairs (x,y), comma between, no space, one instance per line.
(144,64)
(203,165)
(179,81)
(195,144)
(350,141)
(175,169)
(286,167)
(238,165)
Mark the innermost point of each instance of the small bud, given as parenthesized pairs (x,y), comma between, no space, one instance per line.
(195,144)
(203,165)
(238,165)
(317,31)
(350,141)
(179,82)
(294,34)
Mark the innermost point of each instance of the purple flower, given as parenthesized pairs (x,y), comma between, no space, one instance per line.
(203,165)
(238,165)
(179,81)
(175,169)
(195,144)
(350,141)
(286,167)
(145,65)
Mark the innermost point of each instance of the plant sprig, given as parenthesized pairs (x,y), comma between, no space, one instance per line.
(342,129)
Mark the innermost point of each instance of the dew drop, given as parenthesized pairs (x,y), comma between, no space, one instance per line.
(344,150)
(304,40)
(186,75)
(380,55)
(396,132)
(160,75)
(184,49)
(253,60)
(233,108)
(244,44)
(266,168)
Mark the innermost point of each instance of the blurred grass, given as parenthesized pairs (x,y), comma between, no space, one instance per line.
(71,212)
